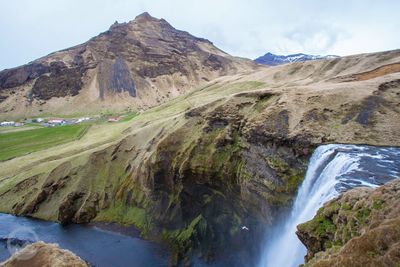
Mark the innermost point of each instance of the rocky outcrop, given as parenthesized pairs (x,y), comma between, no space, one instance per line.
(40,254)
(360,228)
(60,82)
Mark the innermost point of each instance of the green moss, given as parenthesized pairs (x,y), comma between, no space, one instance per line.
(293,180)
(241,172)
(324,226)
(332,208)
(362,215)
(187,233)
(338,243)
(346,206)
(320,225)
(126,215)
(277,163)
(182,235)
(277,199)
(328,244)
(261,104)
(377,205)
(291,177)
(180,240)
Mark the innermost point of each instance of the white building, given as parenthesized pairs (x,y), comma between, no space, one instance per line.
(56,121)
(83,119)
(7,123)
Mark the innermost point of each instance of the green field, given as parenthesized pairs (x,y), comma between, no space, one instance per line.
(16,144)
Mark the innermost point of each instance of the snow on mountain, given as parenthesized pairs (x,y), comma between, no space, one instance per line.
(274,60)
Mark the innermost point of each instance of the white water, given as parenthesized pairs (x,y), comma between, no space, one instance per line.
(332,168)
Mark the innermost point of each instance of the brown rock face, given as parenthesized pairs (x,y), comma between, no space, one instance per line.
(360,228)
(40,254)
(144,62)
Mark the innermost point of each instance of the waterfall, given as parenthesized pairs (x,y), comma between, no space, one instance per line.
(332,169)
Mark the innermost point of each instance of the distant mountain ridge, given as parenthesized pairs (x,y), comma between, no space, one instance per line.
(274,60)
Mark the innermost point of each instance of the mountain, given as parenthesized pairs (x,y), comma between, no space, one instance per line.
(134,65)
(274,60)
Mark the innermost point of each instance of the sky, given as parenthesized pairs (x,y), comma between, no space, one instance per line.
(30,29)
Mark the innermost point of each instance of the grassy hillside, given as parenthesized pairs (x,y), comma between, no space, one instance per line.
(16,144)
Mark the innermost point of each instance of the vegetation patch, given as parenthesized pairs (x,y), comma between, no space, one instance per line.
(20,143)
(180,240)
(291,177)
(128,215)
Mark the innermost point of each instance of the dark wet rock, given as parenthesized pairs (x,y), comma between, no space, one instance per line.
(69,207)
(389,85)
(364,113)
(369,107)
(116,78)
(317,115)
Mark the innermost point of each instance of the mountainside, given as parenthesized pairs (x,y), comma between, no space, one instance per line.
(274,60)
(360,228)
(194,171)
(133,65)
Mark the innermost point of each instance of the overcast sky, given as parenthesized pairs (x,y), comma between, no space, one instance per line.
(249,28)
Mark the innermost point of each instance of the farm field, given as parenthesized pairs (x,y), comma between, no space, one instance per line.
(14,144)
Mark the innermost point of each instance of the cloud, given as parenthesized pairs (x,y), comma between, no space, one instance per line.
(315,39)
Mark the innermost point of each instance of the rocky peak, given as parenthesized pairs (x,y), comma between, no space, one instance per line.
(145,17)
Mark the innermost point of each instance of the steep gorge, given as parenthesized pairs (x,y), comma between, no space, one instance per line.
(194,171)
(200,178)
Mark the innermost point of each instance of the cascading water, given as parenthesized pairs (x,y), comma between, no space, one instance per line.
(332,169)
